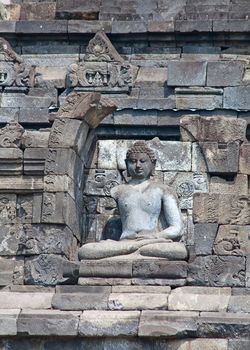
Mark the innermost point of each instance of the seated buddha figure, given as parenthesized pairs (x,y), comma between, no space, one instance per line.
(141,203)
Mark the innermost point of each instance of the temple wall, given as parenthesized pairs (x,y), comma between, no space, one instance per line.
(178,74)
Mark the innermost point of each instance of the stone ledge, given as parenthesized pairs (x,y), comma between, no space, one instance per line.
(125,26)
(100,323)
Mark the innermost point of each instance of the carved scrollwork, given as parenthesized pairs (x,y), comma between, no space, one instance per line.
(102,66)
(13,70)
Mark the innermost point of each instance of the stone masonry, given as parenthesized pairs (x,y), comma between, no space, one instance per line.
(80,81)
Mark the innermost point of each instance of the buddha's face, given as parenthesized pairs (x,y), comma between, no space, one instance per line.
(139,166)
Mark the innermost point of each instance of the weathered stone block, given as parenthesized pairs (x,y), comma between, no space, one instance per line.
(239,185)
(80,301)
(186,73)
(68,133)
(6,271)
(172,155)
(46,239)
(99,182)
(204,236)
(8,322)
(157,268)
(244,162)
(34,161)
(239,303)
(213,129)
(197,344)
(198,161)
(199,299)
(11,161)
(35,11)
(45,269)
(107,268)
(227,73)
(53,207)
(141,289)
(221,157)
(217,271)
(223,325)
(33,115)
(198,98)
(232,240)
(236,97)
(221,208)
(109,323)
(47,323)
(15,300)
(137,301)
(21,100)
(107,154)
(168,323)
(8,208)
(235,344)
(185,185)
(21,184)
(62,161)
(36,139)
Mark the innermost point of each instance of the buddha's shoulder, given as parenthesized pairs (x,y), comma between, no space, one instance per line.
(166,190)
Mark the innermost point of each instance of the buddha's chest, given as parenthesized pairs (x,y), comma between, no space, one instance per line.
(132,201)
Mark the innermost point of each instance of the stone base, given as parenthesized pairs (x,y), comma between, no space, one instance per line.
(148,268)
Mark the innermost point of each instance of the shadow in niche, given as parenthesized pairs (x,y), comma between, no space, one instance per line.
(112,229)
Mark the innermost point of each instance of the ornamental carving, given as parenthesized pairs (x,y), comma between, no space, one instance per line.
(11,135)
(13,70)
(102,67)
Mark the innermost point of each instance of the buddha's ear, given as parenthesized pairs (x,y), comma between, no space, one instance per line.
(126,162)
(154,165)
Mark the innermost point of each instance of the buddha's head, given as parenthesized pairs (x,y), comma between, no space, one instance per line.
(140,161)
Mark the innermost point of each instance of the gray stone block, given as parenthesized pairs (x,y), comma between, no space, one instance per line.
(223,325)
(54,207)
(109,323)
(47,323)
(228,73)
(33,115)
(232,240)
(8,322)
(244,161)
(213,129)
(199,299)
(220,208)
(108,268)
(68,133)
(15,300)
(198,98)
(168,323)
(186,73)
(237,97)
(172,155)
(239,185)
(45,269)
(137,301)
(157,268)
(35,139)
(236,344)
(239,303)
(11,161)
(34,161)
(204,236)
(221,158)
(141,289)
(217,271)
(80,301)
(6,271)
(84,289)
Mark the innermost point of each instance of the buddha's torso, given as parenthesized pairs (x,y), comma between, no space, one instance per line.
(139,206)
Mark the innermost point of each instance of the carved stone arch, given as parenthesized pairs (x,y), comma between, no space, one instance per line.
(71,137)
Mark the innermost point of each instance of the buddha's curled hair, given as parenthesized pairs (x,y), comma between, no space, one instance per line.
(141,147)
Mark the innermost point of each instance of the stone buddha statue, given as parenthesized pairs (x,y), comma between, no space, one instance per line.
(142,202)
